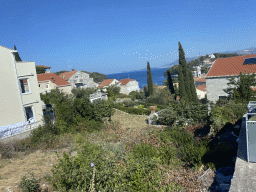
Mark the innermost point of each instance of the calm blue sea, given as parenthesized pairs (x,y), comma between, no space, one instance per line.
(141,76)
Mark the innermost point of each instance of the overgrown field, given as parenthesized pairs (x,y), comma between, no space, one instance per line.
(128,155)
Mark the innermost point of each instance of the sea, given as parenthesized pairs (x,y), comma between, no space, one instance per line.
(141,76)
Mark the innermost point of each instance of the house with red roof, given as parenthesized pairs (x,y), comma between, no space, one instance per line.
(49,81)
(218,76)
(47,69)
(78,79)
(107,82)
(128,85)
(199,80)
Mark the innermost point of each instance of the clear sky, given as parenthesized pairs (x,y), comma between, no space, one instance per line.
(110,36)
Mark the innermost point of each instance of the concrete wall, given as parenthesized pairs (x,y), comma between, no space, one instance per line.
(11,109)
(66,89)
(27,70)
(215,88)
(200,94)
(43,89)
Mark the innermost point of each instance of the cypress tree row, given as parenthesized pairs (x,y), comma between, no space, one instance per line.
(186,82)
(17,57)
(170,84)
(149,80)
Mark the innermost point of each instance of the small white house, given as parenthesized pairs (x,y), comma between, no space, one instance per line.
(128,85)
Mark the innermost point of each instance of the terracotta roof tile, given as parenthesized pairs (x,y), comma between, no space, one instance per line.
(231,66)
(125,81)
(105,82)
(46,67)
(161,87)
(201,87)
(57,80)
(199,79)
(67,75)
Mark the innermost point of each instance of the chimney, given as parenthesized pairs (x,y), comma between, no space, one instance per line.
(152,109)
(73,69)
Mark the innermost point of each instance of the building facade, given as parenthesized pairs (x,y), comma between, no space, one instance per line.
(49,81)
(218,76)
(78,79)
(108,82)
(19,96)
(128,85)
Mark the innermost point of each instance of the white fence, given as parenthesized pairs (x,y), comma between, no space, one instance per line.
(18,128)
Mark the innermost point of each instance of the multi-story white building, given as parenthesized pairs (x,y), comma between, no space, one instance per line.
(79,79)
(20,101)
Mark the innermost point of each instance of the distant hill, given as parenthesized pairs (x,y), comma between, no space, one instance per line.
(239,52)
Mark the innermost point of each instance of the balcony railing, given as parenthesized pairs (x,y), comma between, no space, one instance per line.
(18,128)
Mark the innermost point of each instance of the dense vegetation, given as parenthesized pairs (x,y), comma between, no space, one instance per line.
(40,70)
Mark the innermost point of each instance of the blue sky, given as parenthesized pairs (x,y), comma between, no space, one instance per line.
(115,36)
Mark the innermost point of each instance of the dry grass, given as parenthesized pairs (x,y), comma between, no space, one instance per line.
(125,128)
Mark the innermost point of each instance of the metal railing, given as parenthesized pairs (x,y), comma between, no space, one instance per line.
(12,131)
(251,131)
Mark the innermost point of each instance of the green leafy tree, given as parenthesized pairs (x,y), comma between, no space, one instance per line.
(240,89)
(113,91)
(40,70)
(149,80)
(16,54)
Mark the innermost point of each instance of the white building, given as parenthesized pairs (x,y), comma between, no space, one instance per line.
(78,79)
(21,107)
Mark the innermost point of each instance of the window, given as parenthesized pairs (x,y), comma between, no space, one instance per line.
(24,85)
(29,113)
(76,76)
(39,85)
(47,86)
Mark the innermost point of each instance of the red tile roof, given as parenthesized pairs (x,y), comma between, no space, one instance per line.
(67,74)
(199,79)
(48,77)
(105,82)
(161,87)
(46,67)
(231,66)
(125,81)
(201,87)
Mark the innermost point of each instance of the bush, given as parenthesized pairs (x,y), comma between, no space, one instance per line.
(29,184)
(135,111)
(188,150)
(89,126)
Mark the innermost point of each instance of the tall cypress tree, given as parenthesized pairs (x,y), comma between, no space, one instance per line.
(149,80)
(182,73)
(16,54)
(170,83)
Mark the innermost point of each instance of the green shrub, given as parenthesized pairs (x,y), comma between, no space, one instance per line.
(188,150)
(29,184)
(89,125)
(145,151)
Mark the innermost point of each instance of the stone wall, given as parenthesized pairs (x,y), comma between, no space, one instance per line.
(215,88)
